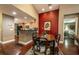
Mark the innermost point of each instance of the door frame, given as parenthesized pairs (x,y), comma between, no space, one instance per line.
(76,25)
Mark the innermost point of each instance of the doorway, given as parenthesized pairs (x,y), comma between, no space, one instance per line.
(70,29)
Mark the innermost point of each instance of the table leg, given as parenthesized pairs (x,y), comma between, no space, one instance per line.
(52,48)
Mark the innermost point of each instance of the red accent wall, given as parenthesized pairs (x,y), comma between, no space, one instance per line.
(49,16)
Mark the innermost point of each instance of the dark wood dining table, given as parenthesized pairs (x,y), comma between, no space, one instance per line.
(50,42)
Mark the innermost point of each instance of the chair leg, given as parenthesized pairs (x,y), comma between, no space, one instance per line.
(45,50)
(33,50)
(52,48)
(39,48)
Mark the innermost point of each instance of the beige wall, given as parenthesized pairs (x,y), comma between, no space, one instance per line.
(78,26)
(63,10)
(28,9)
(0,26)
(8,28)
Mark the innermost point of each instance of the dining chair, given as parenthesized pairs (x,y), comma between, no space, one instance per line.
(76,39)
(58,36)
(41,48)
(52,47)
(36,42)
(44,45)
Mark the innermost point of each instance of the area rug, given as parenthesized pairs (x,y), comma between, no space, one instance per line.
(30,52)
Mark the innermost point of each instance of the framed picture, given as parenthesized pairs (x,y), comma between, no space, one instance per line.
(47,25)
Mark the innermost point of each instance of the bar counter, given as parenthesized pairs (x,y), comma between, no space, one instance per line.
(25,35)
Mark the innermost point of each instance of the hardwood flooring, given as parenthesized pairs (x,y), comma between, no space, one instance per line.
(25,48)
(14,49)
(69,47)
(18,49)
(10,49)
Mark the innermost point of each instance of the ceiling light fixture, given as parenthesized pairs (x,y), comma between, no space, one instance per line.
(14,13)
(50,6)
(25,17)
(15,19)
(43,9)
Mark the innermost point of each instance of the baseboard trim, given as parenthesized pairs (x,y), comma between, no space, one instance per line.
(5,42)
(25,43)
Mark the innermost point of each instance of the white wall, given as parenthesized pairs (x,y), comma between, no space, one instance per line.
(63,10)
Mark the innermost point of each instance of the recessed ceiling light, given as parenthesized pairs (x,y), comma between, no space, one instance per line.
(14,13)
(50,7)
(16,19)
(25,17)
(43,9)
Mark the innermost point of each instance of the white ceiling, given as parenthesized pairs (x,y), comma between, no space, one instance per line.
(8,9)
(39,7)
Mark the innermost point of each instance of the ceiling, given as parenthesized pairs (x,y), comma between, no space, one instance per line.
(8,9)
(39,7)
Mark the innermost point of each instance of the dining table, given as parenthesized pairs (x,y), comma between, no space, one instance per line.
(49,39)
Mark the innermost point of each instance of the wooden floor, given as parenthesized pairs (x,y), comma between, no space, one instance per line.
(17,49)
(26,48)
(14,49)
(10,49)
(69,48)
